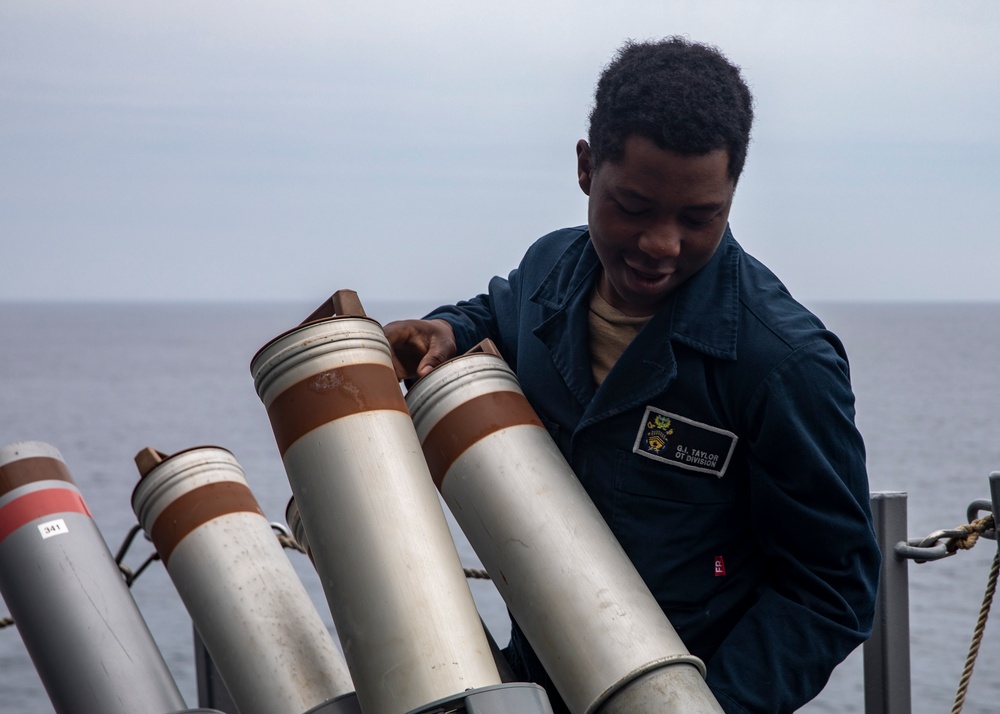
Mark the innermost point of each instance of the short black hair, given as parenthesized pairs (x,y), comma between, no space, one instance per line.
(683,96)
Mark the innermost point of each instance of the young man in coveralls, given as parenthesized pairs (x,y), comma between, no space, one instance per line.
(709,416)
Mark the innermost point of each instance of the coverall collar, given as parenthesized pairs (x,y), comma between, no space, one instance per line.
(706,308)
(703,316)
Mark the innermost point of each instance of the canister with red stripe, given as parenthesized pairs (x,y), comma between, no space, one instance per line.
(80,625)
(269,644)
(376,529)
(593,623)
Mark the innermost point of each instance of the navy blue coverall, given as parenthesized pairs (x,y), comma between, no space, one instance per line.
(722,451)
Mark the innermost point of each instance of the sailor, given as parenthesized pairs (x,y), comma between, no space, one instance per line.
(707,413)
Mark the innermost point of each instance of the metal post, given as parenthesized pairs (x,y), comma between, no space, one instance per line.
(887,653)
(212,690)
(995,498)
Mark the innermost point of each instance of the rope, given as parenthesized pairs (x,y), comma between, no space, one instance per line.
(971,532)
(288,542)
(977,636)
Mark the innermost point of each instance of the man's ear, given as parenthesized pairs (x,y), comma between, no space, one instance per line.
(584,170)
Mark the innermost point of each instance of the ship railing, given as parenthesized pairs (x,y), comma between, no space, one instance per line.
(887,652)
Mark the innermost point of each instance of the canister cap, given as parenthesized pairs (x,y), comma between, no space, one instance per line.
(342,305)
(149,458)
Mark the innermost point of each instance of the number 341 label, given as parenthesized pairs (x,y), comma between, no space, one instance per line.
(53,528)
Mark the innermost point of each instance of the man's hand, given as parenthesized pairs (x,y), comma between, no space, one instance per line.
(418,346)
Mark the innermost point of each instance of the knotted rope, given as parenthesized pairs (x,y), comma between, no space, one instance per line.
(976,528)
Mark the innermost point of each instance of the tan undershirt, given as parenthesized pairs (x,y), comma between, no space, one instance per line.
(611,331)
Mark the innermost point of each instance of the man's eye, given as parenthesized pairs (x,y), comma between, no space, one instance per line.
(697,221)
(630,211)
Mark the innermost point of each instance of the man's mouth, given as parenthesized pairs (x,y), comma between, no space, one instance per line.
(649,276)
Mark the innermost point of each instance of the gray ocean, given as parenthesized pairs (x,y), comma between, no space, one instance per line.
(102,381)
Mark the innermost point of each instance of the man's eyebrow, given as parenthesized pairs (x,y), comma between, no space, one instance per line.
(706,206)
(632,193)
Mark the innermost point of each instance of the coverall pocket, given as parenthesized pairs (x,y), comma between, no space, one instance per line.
(640,476)
(673,526)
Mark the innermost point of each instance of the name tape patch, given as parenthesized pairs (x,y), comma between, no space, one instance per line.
(684,442)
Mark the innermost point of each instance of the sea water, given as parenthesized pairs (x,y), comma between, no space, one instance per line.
(102,381)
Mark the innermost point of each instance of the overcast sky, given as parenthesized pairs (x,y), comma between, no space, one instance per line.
(281,150)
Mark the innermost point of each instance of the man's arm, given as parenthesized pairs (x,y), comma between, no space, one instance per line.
(419,346)
(811,518)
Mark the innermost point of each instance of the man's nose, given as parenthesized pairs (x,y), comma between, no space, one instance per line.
(662,240)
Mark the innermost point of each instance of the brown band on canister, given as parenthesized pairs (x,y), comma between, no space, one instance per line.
(197,507)
(471,421)
(330,395)
(31,469)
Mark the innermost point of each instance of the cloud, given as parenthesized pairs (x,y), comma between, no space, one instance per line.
(254,149)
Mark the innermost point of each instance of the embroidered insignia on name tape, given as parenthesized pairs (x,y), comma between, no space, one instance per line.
(684,442)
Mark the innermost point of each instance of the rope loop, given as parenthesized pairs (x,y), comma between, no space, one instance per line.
(944,543)
(969,534)
(289,542)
